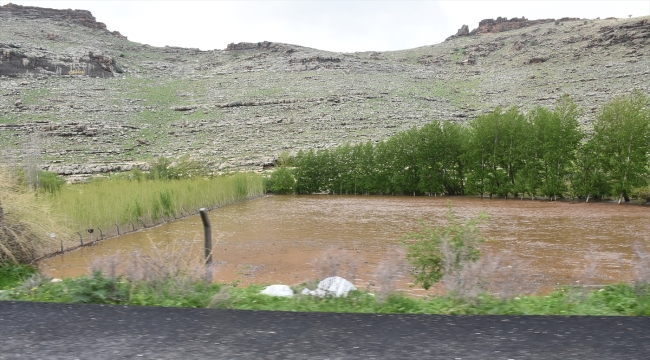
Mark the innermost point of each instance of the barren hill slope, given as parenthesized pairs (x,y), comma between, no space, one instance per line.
(89,100)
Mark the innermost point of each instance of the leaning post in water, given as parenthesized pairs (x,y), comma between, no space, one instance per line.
(207,230)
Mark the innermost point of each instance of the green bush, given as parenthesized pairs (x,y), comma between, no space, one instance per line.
(444,250)
(97,289)
(642,193)
(12,274)
(50,182)
(282,181)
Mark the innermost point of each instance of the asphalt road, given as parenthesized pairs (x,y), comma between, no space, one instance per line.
(73,331)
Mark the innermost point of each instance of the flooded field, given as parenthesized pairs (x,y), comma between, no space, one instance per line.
(285,239)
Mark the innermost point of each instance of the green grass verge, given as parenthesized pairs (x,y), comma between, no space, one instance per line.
(12,275)
(619,299)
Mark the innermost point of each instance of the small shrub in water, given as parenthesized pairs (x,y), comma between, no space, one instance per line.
(444,250)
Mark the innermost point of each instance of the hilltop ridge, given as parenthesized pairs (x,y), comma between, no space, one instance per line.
(92,101)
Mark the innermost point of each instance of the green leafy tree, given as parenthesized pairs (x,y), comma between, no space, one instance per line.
(588,178)
(404,170)
(452,144)
(557,137)
(621,134)
(308,175)
(494,152)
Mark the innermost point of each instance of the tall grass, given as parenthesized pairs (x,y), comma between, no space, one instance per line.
(105,203)
(29,223)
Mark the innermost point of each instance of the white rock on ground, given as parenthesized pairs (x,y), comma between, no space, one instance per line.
(278,290)
(335,286)
(55,280)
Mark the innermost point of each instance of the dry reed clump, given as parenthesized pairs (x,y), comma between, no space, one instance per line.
(642,265)
(28,224)
(589,274)
(336,262)
(389,272)
(173,266)
(494,275)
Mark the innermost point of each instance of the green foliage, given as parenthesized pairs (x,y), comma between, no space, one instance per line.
(285,159)
(622,136)
(642,193)
(282,181)
(502,153)
(97,289)
(556,137)
(12,274)
(445,250)
(50,182)
(495,151)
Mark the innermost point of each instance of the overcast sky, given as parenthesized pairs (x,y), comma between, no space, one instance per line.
(344,26)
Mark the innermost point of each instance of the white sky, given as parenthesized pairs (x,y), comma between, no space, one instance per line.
(344,26)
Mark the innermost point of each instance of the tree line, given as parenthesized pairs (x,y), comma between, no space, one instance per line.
(503,153)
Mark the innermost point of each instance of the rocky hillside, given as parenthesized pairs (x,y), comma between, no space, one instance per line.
(79,99)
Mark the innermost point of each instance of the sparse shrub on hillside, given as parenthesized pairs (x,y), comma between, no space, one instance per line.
(171,169)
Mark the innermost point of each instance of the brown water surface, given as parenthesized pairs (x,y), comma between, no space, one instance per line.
(277,239)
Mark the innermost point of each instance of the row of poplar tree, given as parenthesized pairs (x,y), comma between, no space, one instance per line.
(503,153)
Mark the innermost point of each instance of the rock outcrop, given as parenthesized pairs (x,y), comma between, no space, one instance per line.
(501,24)
(264,45)
(636,33)
(14,61)
(463,31)
(81,17)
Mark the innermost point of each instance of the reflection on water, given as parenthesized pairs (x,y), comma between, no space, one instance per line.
(275,239)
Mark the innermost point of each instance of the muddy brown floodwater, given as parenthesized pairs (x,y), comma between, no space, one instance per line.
(285,239)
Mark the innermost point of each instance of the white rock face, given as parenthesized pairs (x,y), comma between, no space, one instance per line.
(277,290)
(335,286)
